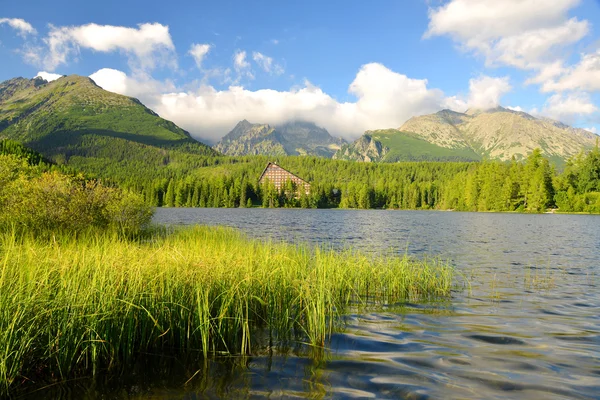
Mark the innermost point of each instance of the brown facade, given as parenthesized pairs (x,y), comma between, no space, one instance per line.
(279,176)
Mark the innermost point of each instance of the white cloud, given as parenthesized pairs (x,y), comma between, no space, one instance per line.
(113,80)
(266,63)
(199,51)
(568,108)
(241,66)
(23,27)
(31,53)
(482,20)
(239,60)
(141,85)
(533,49)
(583,76)
(384,99)
(275,41)
(521,33)
(147,46)
(547,72)
(517,108)
(486,91)
(48,76)
(592,129)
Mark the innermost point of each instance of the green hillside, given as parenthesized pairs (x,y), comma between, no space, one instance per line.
(392,145)
(404,146)
(73,121)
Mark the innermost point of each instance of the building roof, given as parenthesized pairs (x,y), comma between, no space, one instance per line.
(272,163)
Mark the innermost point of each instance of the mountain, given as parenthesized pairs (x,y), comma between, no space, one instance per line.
(73,121)
(500,133)
(393,145)
(497,133)
(292,138)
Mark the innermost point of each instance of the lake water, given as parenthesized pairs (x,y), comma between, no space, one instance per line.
(529,327)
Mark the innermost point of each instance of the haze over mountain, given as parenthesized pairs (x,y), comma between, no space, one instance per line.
(496,133)
(291,138)
(72,120)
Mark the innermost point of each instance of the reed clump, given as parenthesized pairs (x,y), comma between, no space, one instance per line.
(76,305)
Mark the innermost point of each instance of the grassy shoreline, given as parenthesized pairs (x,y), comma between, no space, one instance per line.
(76,305)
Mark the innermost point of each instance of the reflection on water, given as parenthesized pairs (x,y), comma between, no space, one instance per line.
(528,328)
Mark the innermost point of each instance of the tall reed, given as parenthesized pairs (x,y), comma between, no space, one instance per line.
(73,306)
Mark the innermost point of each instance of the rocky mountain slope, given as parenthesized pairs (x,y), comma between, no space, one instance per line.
(392,145)
(72,120)
(500,133)
(292,138)
(497,133)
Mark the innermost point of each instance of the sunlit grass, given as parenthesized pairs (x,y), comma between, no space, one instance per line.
(75,306)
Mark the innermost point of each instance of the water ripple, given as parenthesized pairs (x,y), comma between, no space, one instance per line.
(528,327)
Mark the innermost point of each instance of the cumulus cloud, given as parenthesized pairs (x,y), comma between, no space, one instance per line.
(547,73)
(583,76)
(384,99)
(533,49)
(48,76)
(482,20)
(267,64)
(568,108)
(141,86)
(486,91)
(22,27)
(592,129)
(199,51)
(525,34)
(147,46)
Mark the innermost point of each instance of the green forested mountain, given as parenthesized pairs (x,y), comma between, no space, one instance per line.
(497,133)
(291,138)
(73,121)
(532,185)
(77,126)
(8,147)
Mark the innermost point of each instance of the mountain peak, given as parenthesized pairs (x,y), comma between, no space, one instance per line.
(76,79)
(447,111)
(296,137)
(499,133)
(476,111)
(243,123)
(72,111)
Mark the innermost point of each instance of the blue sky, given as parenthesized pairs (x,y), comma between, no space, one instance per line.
(346,65)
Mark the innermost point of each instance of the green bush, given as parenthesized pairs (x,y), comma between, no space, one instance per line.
(38,201)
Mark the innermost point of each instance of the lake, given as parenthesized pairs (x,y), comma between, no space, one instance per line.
(528,326)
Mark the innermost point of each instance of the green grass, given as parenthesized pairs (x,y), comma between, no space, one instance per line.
(404,146)
(80,306)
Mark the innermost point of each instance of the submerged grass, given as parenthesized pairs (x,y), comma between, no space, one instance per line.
(74,306)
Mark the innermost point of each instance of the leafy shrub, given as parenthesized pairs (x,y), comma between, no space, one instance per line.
(40,201)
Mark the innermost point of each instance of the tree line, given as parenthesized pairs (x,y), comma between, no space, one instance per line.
(177,179)
(533,185)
